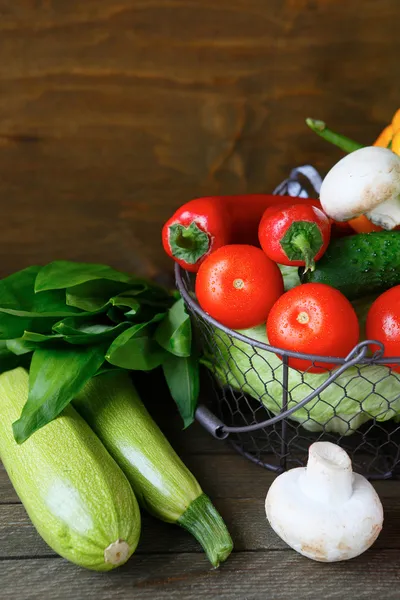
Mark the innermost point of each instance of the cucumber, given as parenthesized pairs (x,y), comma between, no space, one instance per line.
(359,265)
(163,485)
(75,494)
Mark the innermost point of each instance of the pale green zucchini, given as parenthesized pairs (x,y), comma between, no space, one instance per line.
(75,494)
(162,483)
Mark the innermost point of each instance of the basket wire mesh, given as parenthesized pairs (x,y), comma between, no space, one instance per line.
(271,412)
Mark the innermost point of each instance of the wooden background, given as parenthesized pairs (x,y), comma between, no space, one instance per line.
(113,113)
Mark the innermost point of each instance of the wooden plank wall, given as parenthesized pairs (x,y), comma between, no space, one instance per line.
(115,112)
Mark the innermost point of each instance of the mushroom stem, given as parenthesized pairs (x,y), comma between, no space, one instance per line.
(386,214)
(365,182)
(329,476)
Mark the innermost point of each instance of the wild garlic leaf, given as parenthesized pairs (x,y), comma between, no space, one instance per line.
(62,274)
(136,349)
(174,333)
(55,377)
(77,331)
(8,359)
(21,309)
(183,380)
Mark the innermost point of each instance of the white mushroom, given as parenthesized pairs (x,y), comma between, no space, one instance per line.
(325,511)
(366,181)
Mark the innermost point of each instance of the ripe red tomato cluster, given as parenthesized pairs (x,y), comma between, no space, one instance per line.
(241,286)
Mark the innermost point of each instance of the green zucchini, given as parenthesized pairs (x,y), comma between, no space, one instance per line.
(75,494)
(359,265)
(162,483)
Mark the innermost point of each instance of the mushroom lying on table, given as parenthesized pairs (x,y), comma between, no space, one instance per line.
(366,181)
(325,511)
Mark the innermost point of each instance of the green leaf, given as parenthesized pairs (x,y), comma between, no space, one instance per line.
(18,290)
(107,368)
(17,294)
(183,380)
(92,287)
(21,309)
(136,349)
(55,377)
(30,341)
(8,360)
(131,313)
(94,295)
(138,354)
(100,294)
(116,315)
(76,331)
(13,323)
(174,333)
(40,338)
(20,347)
(62,274)
(129,300)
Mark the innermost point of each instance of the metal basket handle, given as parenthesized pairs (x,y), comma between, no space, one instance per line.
(221,431)
(292,186)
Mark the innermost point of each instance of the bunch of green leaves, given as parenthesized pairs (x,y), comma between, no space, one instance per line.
(68,322)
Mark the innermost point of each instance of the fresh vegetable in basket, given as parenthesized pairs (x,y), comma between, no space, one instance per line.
(365,182)
(313,319)
(68,321)
(296,235)
(388,138)
(359,265)
(337,514)
(342,407)
(237,285)
(203,225)
(76,495)
(383,323)
(162,483)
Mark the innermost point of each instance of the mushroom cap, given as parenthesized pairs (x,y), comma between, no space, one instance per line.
(361,181)
(322,531)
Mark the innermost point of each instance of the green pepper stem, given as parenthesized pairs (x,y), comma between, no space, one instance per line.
(341,141)
(205,523)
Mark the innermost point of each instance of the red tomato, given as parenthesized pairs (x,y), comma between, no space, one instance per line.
(237,285)
(313,318)
(383,323)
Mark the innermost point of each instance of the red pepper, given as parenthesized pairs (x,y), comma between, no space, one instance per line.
(205,224)
(296,235)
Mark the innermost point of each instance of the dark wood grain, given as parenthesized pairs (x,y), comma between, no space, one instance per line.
(245,518)
(114,113)
(247,575)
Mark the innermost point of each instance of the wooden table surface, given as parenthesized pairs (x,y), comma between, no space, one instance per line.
(170,564)
(112,113)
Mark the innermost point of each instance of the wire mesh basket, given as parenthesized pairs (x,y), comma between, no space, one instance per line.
(271,412)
